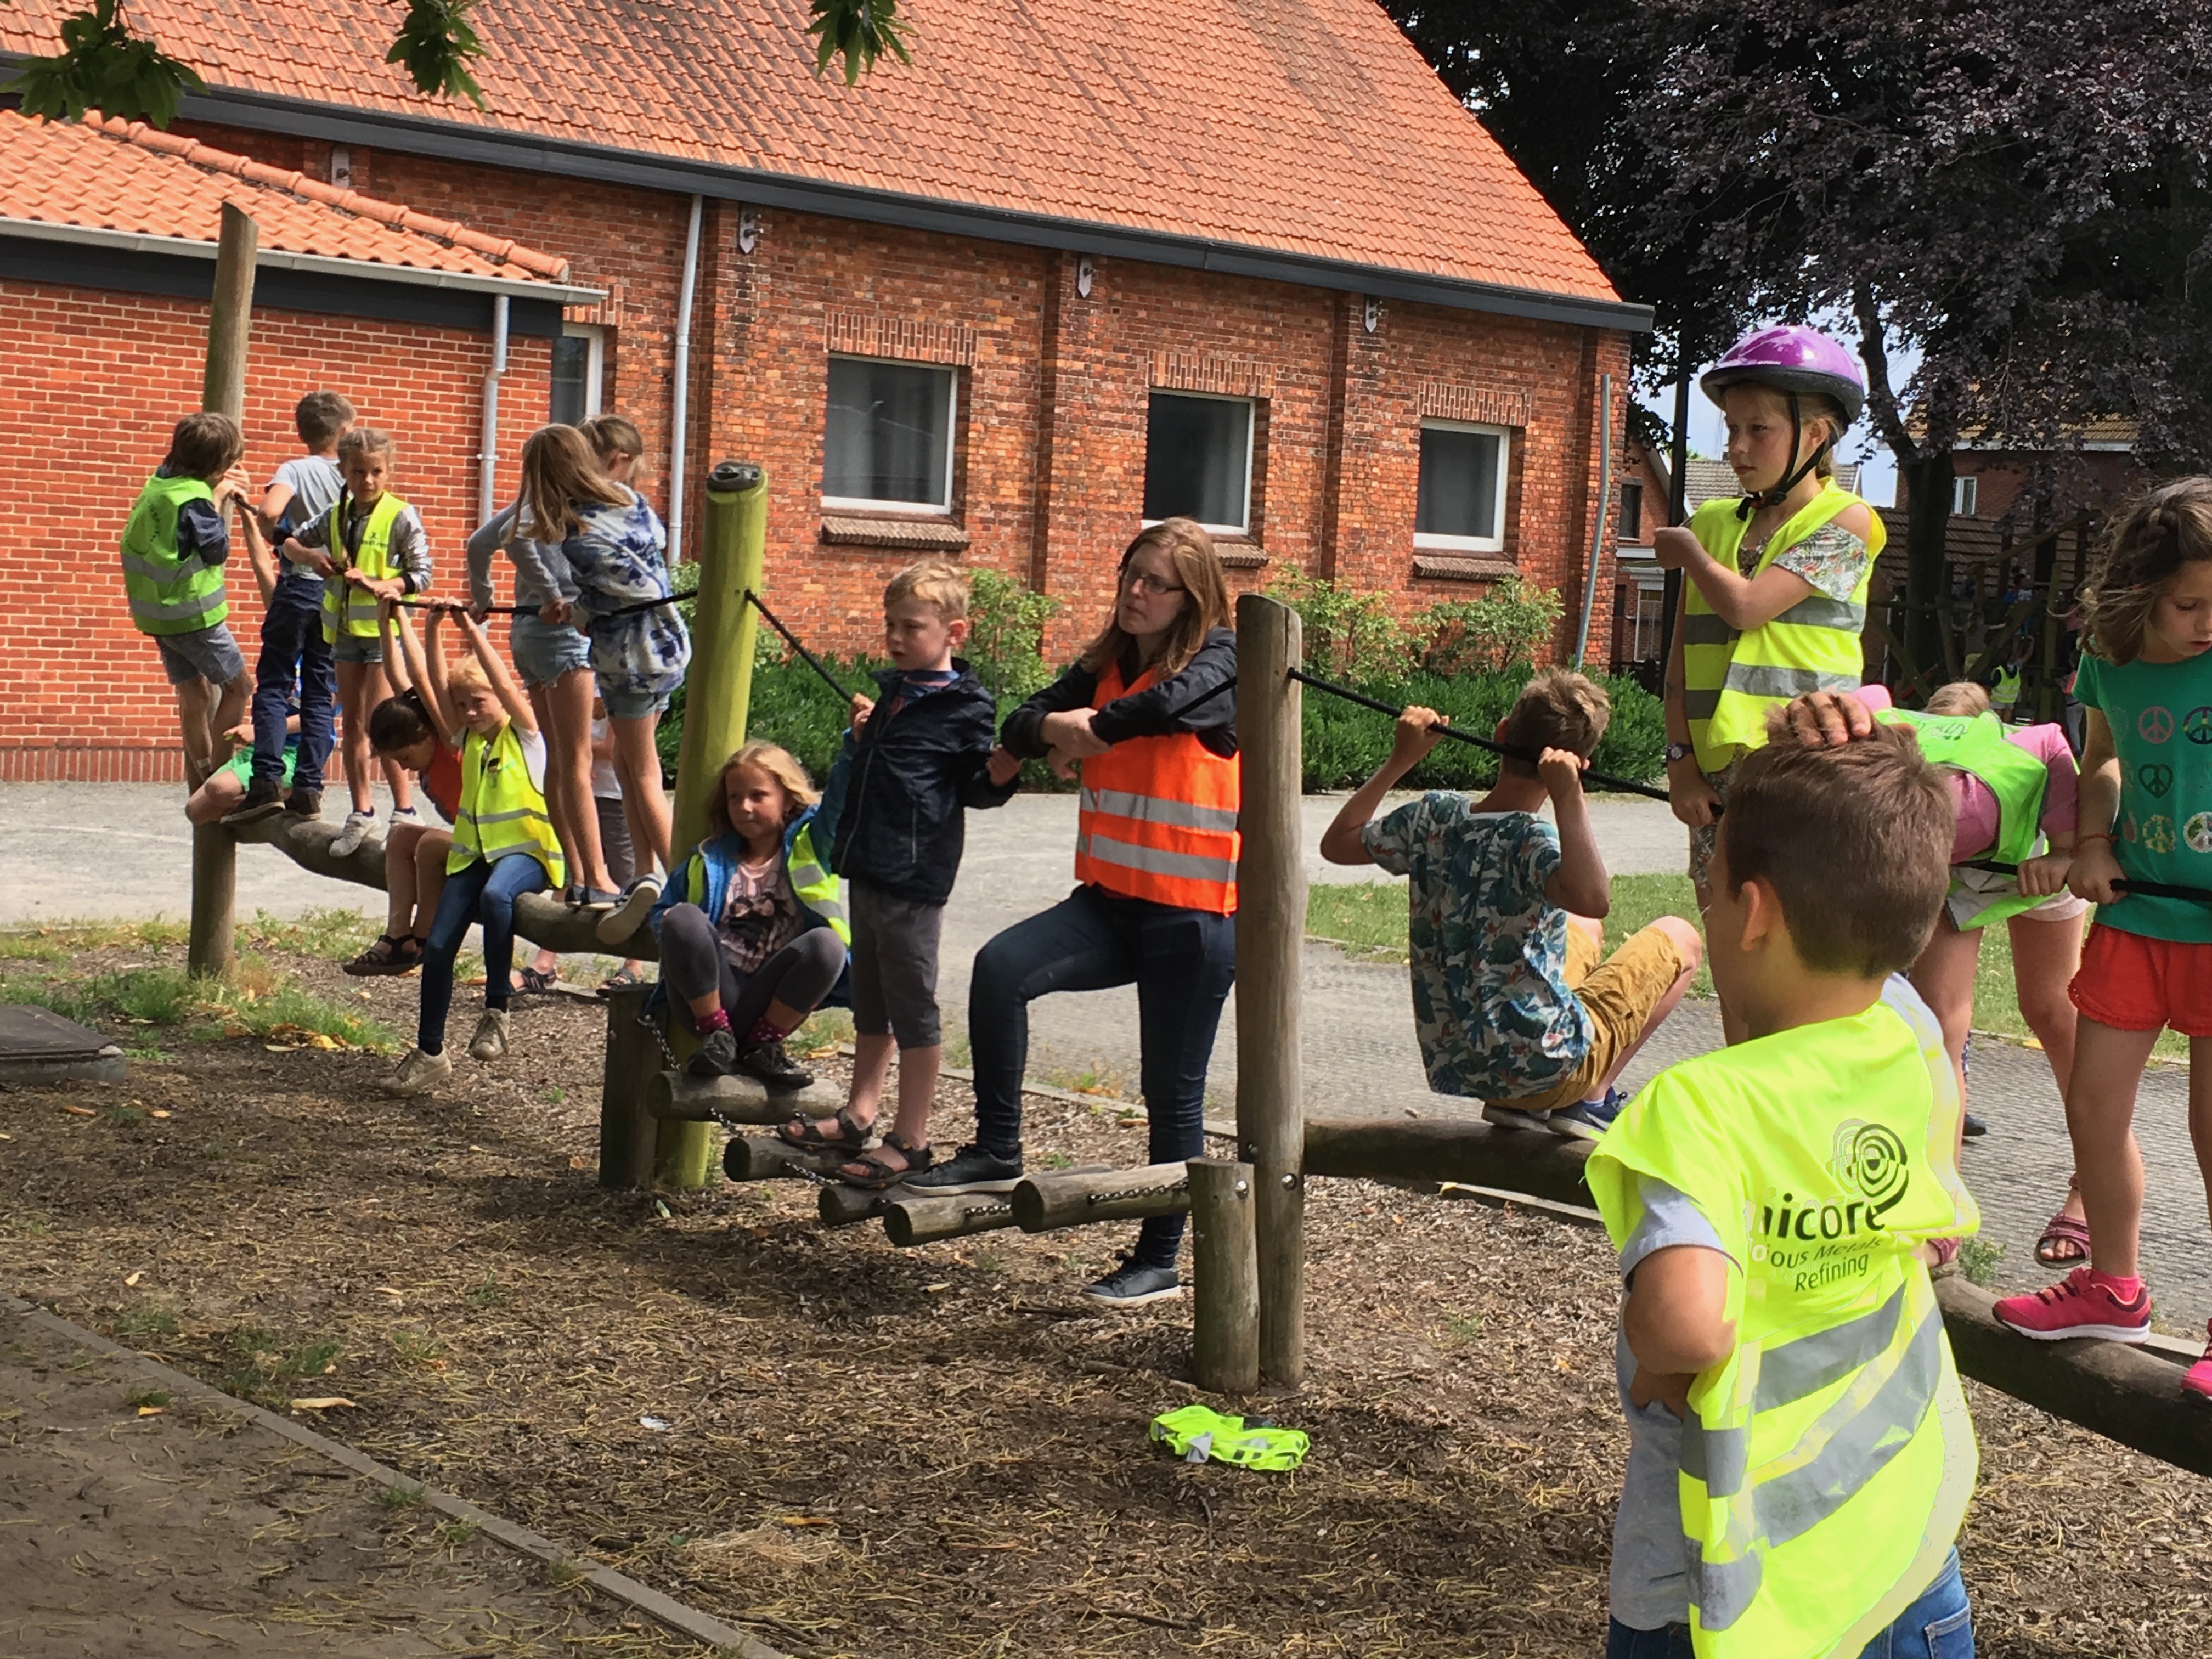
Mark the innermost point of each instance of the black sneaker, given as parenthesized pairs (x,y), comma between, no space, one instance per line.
(970,1170)
(1975,1127)
(264,799)
(717,1055)
(769,1062)
(1133,1284)
(305,803)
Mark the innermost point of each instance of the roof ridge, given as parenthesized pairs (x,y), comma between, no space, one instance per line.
(395,214)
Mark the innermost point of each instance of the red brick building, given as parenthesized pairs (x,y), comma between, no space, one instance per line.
(1073,268)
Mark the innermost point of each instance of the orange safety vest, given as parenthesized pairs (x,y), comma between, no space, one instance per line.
(1158,818)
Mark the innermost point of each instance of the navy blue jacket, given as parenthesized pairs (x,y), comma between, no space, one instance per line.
(1179,704)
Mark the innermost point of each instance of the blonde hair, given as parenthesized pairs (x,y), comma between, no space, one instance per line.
(936,582)
(779,763)
(558,471)
(468,671)
(1557,709)
(1204,584)
(609,433)
(1960,698)
(2151,538)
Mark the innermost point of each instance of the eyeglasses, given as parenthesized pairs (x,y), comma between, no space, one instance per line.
(1133,578)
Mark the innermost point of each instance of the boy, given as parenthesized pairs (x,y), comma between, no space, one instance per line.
(1512,1005)
(293,650)
(914,760)
(174,546)
(1800,1453)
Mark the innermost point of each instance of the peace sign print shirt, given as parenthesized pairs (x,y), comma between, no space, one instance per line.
(2161,714)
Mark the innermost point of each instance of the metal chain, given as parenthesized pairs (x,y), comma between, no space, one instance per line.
(660,1037)
(968,1213)
(1136,1192)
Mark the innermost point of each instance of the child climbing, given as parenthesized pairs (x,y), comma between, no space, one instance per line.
(1512,1005)
(2146,680)
(544,973)
(1800,1452)
(503,847)
(753,930)
(174,546)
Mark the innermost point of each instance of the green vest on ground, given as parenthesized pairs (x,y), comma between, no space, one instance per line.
(1827,1462)
(1731,680)
(348,608)
(168,592)
(1976,744)
(812,884)
(501,811)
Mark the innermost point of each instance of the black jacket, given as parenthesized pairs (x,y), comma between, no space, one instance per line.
(1157,711)
(911,775)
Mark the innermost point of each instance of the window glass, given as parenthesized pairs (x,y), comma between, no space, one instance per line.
(1631,513)
(1197,460)
(1965,494)
(575,378)
(1462,484)
(890,434)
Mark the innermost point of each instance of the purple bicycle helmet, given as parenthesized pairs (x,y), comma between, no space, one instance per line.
(1796,362)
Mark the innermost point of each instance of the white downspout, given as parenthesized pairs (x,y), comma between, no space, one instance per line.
(1604,511)
(487,459)
(680,416)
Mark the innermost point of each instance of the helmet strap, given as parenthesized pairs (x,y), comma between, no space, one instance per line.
(1780,493)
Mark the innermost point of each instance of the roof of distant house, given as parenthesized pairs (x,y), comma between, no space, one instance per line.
(1305,130)
(1704,480)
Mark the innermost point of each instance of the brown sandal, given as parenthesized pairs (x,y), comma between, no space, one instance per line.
(801,1132)
(880,1175)
(2064,1229)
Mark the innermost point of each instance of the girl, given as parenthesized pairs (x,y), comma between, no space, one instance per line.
(1155,853)
(544,974)
(503,846)
(2145,681)
(752,932)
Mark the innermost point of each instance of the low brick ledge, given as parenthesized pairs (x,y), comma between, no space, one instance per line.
(911,535)
(1436,567)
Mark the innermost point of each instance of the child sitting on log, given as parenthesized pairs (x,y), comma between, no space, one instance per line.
(1511,1004)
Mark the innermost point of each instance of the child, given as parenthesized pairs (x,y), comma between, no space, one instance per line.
(914,760)
(544,974)
(367,546)
(1800,1453)
(292,649)
(2146,680)
(1510,1003)
(752,931)
(214,801)
(174,546)
(503,846)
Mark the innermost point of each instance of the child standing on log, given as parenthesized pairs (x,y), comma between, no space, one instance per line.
(1800,1457)
(1511,1004)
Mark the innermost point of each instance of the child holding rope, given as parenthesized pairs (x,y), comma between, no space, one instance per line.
(503,847)
(1799,1454)
(1512,1005)
(2145,814)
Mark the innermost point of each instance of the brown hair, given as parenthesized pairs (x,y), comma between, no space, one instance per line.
(2150,539)
(779,763)
(322,418)
(1557,709)
(367,440)
(205,446)
(1960,698)
(558,471)
(1204,583)
(938,582)
(1856,841)
(606,433)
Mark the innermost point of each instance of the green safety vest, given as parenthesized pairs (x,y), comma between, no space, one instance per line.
(1827,1461)
(169,593)
(501,811)
(348,608)
(811,884)
(2006,693)
(1731,680)
(1976,744)
(1197,1434)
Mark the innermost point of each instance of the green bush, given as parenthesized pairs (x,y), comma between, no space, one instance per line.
(1506,625)
(1349,635)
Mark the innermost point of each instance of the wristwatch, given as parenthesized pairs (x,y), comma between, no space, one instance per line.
(1679,751)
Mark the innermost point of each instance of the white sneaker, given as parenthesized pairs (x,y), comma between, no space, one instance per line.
(353,831)
(490,1041)
(418,1073)
(626,918)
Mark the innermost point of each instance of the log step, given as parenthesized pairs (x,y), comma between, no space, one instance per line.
(689,1099)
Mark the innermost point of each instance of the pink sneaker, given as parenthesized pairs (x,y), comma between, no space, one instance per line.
(2077,1307)
(2199,1380)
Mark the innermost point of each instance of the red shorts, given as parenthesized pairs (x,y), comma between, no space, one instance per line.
(2132,983)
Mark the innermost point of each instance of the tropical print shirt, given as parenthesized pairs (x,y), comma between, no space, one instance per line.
(619,558)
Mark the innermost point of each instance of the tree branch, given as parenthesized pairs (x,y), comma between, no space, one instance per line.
(1881,396)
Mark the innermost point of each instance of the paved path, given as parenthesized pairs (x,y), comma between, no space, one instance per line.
(80,850)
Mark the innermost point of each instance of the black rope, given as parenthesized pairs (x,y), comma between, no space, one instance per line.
(423,602)
(791,640)
(2135,889)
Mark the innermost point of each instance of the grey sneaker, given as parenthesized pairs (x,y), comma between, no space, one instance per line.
(626,918)
(418,1073)
(353,831)
(717,1055)
(1132,1284)
(490,1041)
(970,1170)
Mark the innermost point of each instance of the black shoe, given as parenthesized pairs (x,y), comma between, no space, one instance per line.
(264,799)
(768,1062)
(305,803)
(1975,1127)
(717,1055)
(970,1170)
(1133,1284)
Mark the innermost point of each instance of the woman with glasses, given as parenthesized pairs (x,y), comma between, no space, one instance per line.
(1147,713)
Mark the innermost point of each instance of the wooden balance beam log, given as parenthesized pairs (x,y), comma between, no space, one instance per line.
(841,1204)
(1042,1203)
(682,1098)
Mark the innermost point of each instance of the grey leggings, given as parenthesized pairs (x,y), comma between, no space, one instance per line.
(799,975)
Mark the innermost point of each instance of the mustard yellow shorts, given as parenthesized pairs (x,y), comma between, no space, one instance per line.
(1621,995)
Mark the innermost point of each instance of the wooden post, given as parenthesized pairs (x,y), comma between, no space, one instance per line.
(212,948)
(1271,918)
(633,1060)
(1225,1267)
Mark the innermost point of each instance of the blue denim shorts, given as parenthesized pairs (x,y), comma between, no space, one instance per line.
(624,703)
(356,647)
(543,652)
(1938,1625)
(205,653)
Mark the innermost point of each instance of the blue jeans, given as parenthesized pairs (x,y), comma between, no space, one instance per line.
(482,894)
(1183,961)
(1938,1625)
(293,651)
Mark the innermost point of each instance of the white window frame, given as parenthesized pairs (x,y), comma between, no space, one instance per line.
(1431,539)
(1251,441)
(595,364)
(864,504)
(1965,494)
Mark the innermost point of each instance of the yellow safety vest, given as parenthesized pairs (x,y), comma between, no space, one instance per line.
(1827,1461)
(2006,693)
(168,595)
(348,608)
(1731,681)
(1976,744)
(502,812)
(811,883)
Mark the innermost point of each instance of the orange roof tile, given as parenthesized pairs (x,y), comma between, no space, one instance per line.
(113,175)
(1308,127)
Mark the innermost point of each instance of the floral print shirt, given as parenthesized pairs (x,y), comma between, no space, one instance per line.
(619,558)
(1831,559)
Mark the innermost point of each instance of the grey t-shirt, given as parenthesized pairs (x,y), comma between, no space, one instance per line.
(541,570)
(315,483)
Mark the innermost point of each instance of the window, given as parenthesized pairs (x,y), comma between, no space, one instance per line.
(1462,492)
(579,360)
(1966,495)
(1631,512)
(889,442)
(1198,461)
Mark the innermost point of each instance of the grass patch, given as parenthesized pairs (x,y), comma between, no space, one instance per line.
(148,1397)
(823,1032)
(135,1322)
(259,1368)
(60,941)
(257,1001)
(1979,1258)
(400,1497)
(337,934)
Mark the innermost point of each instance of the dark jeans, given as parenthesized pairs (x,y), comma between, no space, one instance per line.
(1182,962)
(484,894)
(692,965)
(1938,1625)
(293,651)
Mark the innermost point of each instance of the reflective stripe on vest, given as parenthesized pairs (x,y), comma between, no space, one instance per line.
(1732,680)
(371,558)
(815,887)
(1976,744)
(502,812)
(167,592)
(1157,816)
